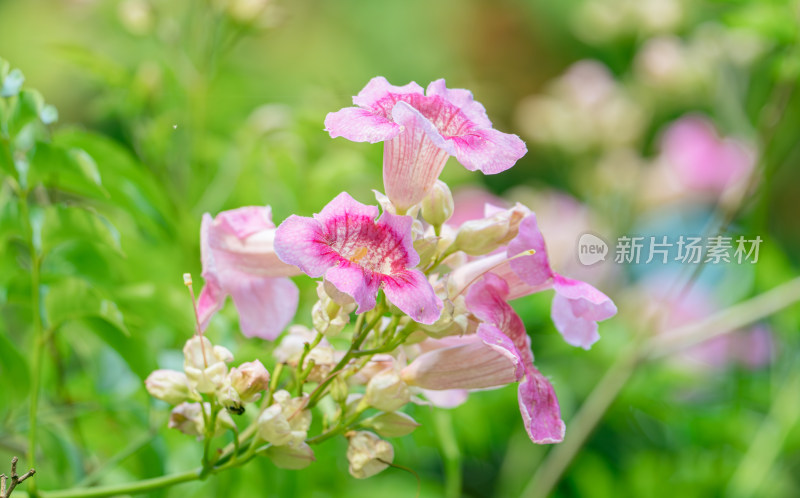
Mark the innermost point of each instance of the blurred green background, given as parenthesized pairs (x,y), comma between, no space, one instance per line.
(168,110)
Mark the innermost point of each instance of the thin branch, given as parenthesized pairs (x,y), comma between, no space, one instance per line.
(7,487)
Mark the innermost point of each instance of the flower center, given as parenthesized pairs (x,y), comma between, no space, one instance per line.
(358,255)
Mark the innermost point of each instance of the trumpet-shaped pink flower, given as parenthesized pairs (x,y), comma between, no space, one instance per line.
(503,328)
(577,306)
(420,131)
(239,260)
(359,255)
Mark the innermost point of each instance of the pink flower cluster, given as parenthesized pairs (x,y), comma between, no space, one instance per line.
(451,282)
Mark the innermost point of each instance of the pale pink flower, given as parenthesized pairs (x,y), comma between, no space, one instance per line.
(239,260)
(702,160)
(420,131)
(503,328)
(359,255)
(577,306)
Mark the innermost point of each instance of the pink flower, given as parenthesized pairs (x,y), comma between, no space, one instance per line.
(239,260)
(359,255)
(503,328)
(420,131)
(701,159)
(577,306)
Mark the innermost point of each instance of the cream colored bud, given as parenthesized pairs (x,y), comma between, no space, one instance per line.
(294,457)
(332,312)
(169,386)
(292,346)
(437,206)
(368,454)
(273,426)
(339,389)
(188,419)
(249,380)
(386,391)
(482,236)
(391,424)
(286,421)
(204,364)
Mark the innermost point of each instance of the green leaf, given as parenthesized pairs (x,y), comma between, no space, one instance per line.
(65,169)
(69,223)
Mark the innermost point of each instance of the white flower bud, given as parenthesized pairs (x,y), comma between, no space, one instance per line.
(368,454)
(273,426)
(294,457)
(332,312)
(249,380)
(391,424)
(188,419)
(169,386)
(482,236)
(437,206)
(386,391)
(286,421)
(204,364)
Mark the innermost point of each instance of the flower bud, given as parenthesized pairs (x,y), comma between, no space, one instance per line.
(292,346)
(169,386)
(204,364)
(437,206)
(368,454)
(294,457)
(482,236)
(332,312)
(391,424)
(273,426)
(188,419)
(386,391)
(339,389)
(249,380)
(286,421)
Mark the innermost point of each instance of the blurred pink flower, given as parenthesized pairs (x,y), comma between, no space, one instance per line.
(701,159)
(239,260)
(420,131)
(359,255)
(470,204)
(751,348)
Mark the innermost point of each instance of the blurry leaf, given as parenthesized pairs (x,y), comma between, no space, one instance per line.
(66,169)
(14,379)
(26,111)
(101,66)
(70,223)
(6,159)
(773,20)
(128,183)
(74,300)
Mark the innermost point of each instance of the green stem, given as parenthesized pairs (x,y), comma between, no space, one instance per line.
(132,488)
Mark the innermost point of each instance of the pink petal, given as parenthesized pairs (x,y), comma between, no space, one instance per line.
(401,226)
(538,405)
(468,366)
(450,398)
(577,307)
(534,270)
(413,160)
(265,306)
(360,125)
(461,99)
(378,89)
(410,291)
(354,281)
(246,221)
(298,241)
(343,205)
(488,150)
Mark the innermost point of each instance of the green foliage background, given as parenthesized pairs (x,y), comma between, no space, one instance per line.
(198,112)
